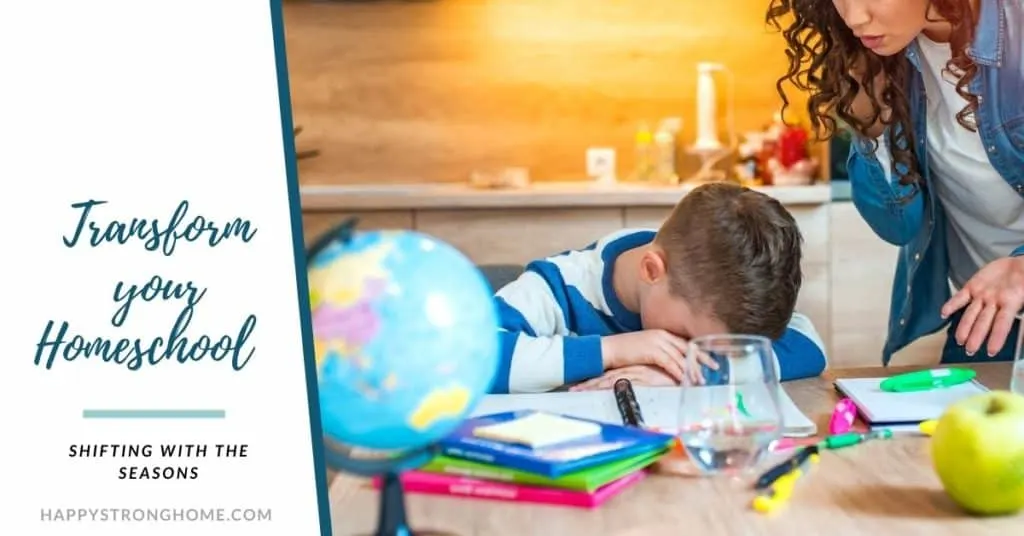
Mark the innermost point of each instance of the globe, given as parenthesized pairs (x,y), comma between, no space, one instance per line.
(406,338)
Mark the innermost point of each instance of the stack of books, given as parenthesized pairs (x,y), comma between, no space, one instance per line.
(536,457)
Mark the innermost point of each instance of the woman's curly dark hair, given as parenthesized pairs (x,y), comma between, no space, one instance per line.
(822,51)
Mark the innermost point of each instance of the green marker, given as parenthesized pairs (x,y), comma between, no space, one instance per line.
(924,380)
(839,441)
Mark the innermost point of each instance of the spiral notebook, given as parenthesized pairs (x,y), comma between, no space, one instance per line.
(659,405)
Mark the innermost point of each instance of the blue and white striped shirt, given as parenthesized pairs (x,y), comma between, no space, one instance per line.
(553,316)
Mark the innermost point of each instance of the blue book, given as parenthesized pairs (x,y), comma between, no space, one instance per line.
(615,442)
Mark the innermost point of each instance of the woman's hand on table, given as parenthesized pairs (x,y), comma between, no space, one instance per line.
(991,300)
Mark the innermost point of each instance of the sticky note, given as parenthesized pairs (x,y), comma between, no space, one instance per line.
(539,430)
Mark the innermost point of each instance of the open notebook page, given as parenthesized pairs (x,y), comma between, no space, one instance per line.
(659,405)
(881,407)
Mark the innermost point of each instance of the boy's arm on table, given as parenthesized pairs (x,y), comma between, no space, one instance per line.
(800,351)
(538,353)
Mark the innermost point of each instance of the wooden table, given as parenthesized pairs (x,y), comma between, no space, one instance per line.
(878,488)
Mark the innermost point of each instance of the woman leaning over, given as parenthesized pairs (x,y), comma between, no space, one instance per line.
(934,90)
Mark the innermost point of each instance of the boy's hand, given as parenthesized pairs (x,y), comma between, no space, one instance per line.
(649,347)
(647,375)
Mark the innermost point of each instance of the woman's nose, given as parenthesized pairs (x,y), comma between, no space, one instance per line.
(853,12)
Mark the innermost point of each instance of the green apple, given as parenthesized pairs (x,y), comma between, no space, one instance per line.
(978,453)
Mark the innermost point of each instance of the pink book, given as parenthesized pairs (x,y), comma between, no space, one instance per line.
(447,484)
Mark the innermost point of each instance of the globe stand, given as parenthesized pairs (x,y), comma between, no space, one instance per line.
(391,520)
(340,233)
(391,516)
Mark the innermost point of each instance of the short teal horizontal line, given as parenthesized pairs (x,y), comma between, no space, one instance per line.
(152,414)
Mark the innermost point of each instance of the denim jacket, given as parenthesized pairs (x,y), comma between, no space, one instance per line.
(918,227)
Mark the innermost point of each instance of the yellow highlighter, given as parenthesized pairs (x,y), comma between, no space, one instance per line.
(782,489)
(928,427)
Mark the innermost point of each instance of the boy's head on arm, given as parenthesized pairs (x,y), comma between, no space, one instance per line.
(727,259)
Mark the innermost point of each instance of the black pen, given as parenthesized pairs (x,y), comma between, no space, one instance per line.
(773,474)
(629,408)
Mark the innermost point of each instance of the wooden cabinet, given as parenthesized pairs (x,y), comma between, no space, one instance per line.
(518,236)
(862,272)
(847,269)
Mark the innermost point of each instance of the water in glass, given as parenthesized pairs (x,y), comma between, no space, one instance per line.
(729,406)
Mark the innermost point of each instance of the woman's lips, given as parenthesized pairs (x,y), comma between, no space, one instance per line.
(872,41)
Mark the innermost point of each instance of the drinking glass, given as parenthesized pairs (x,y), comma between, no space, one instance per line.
(729,416)
(1017,378)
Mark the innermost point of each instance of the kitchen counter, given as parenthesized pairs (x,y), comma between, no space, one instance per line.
(581,194)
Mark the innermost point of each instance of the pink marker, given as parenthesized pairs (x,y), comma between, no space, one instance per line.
(789,443)
(843,417)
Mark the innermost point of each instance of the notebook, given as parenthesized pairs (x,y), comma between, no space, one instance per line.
(615,442)
(586,480)
(902,411)
(659,406)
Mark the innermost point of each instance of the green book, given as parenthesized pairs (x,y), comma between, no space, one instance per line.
(586,480)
